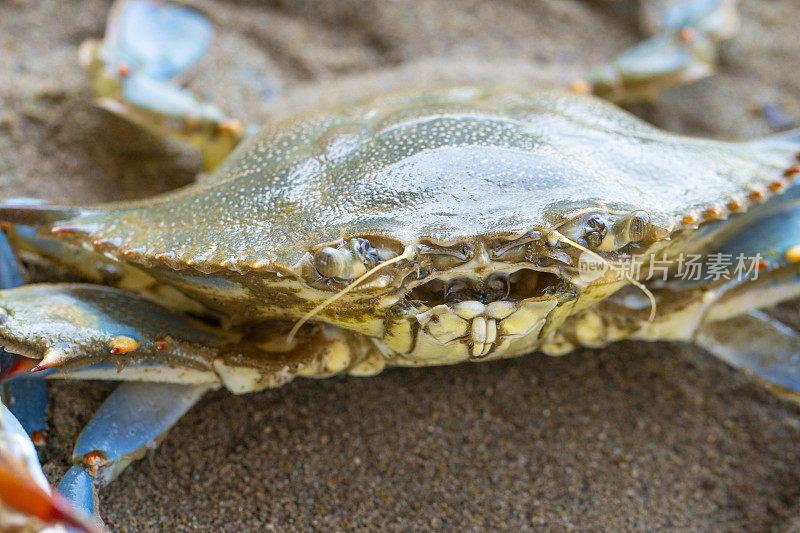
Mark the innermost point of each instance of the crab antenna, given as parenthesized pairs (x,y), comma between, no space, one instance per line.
(636,283)
(647,292)
(407,253)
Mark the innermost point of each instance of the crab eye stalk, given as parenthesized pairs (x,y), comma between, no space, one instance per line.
(606,232)
(596,232)
(349,260)
(338,263)
(633,227)
(596,223)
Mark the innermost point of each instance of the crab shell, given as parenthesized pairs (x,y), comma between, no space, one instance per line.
(456,174)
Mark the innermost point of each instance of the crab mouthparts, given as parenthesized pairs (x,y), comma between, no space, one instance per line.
(484,315)
(520,285)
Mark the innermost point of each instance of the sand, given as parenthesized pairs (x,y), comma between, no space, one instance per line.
(637,436)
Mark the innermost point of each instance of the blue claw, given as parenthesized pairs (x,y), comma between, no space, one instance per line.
(77,486)
(147,43)
(763,347)
(130,421)
(162,39)
(27,400)
(693,13)
(773,235)
(9,273)
(684,49)
(166,99)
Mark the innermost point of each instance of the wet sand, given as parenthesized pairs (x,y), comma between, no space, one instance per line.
(636,436)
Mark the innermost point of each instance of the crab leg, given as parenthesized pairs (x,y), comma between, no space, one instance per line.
(761,346)
(23,486)
(725,323)
(27,400)
(132,420)
(136,416)
(79,331)
(9,273)
(728,322)
(146,45)
(94,324)
(754,341)
(684,49)
(90,331)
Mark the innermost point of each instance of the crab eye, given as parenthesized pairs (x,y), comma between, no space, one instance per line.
(339,263)
(594,239)
(633,227)
(607,232)
(596,223)
(595,232)
(349,260)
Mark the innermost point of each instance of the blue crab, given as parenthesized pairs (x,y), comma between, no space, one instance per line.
(419,228)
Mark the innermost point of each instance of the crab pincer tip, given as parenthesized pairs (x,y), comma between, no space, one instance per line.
(40,367)
(52,358)
(19,491)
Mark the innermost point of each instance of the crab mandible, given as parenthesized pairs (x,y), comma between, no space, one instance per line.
(425,228)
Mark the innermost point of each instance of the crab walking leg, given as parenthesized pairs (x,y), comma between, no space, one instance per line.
(752,340)
(9,273)
(27,400)
(761,346)
(726,319)
(78,488)
(146,45)
(132,420)
(684,48)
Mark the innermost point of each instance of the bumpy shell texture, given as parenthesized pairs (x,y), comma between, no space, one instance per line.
(441,165)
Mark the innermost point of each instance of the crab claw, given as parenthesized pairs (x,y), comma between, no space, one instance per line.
(25,496)
(684,49)
(67,326)
(147,44)
(163,39)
